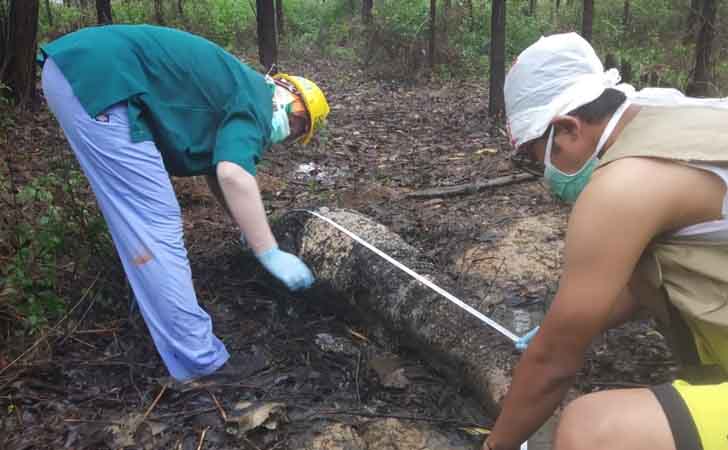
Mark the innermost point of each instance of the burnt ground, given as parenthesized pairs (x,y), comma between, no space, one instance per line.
(317,379)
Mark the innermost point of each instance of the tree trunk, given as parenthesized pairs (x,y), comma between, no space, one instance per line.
(18,42)
(700,84)
(471,12)
(531,7)
(181,9)
(267,48)
(587,19)
(558,4)
(280,17)
(626,14)
(103,11)
(49,12)
(496,102)
(693,15)
(366,11)
(433,31)
(159,12)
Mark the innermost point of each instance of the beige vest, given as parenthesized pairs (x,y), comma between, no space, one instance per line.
(689,274)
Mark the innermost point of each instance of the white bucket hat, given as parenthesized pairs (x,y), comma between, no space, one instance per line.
(553,76)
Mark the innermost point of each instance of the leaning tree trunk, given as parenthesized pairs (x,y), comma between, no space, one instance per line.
(18,34)
(700,84)
(366,11)
(587,20)
(496,103)
(103,11)
(267,47)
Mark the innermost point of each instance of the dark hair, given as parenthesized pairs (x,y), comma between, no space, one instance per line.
(601,108)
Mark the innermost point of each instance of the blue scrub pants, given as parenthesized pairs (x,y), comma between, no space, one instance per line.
(136,197)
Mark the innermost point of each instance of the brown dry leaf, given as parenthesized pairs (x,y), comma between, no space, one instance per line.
(250,415)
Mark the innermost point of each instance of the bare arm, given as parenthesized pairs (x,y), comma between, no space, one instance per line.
(610,226)
(242,197)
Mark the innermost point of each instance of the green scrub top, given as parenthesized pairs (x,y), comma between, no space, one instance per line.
(197,102)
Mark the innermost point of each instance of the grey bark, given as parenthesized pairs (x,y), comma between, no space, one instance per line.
(355,280)
(366,11)
(267,42)
(587,19)
(18,43)
(103,12)
(701,81)
(496,103)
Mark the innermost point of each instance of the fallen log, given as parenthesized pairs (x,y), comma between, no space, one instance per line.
(451,340)
(471,188)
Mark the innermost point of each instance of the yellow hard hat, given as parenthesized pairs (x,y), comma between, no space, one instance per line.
(314,100)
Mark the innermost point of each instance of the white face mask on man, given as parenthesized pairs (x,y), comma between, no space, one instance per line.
(568,186)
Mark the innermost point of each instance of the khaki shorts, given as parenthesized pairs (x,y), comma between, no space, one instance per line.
(697,413)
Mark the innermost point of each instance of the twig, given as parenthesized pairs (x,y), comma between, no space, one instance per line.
(55,327)
(156,400)
(401,417)
(358,365)
(185,413)
(98,331)
(202,438)
(252,444)
(219,407)
(100,422)
(80,321)
(471,188)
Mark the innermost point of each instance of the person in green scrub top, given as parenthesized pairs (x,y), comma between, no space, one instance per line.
(139,103)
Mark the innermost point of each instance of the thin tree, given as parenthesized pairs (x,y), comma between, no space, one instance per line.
(49,12)
(471,12)
(433,31)
(626,14)
(279,17)
(159,12)
(266,19)
(694,9)
(366,11)
(18,43)
(700,84)
(531,7)
(587,20)
(103,11)
(496,102)
(181,9)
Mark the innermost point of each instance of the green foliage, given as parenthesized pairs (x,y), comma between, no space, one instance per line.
(653,38)
(50,221)
(48,224)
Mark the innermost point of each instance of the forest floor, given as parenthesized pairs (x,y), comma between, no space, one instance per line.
(317,381)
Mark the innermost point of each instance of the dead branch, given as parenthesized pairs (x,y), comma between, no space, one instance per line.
(471,188)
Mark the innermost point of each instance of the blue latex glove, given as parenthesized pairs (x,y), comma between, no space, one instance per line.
(287,267)
(522,342)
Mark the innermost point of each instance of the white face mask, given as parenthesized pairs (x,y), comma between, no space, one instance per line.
(282,99)
(568,186)
(280,127)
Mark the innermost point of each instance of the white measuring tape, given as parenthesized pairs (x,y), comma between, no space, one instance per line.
(520,342)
